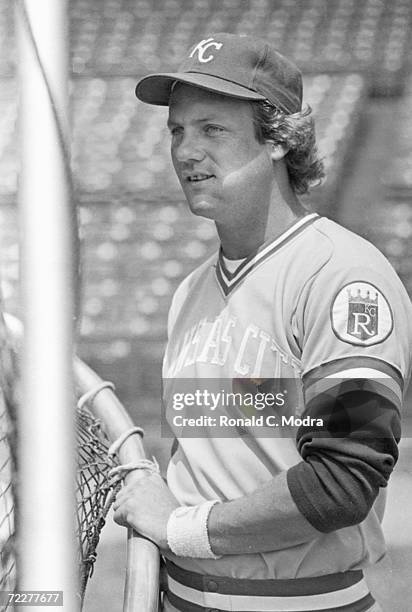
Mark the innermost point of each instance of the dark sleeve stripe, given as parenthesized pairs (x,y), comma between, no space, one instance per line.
(335,386)
(347,363)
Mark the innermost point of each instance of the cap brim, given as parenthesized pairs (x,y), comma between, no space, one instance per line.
(156,88)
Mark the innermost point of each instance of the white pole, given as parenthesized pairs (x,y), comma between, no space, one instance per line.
(46,513)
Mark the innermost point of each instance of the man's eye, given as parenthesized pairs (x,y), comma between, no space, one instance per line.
(213,129)
(175,131)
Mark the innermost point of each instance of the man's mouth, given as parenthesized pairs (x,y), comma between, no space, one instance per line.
(197,178)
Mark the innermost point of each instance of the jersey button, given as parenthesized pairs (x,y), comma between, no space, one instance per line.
(211,585)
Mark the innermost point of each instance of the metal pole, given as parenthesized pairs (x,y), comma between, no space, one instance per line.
(46,420)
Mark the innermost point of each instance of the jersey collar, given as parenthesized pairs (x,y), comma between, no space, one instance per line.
(228,281)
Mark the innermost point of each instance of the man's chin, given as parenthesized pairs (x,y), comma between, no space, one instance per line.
(203,206)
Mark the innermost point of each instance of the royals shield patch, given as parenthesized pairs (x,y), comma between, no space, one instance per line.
(361,314)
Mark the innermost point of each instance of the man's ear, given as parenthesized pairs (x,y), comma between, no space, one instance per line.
(277,151)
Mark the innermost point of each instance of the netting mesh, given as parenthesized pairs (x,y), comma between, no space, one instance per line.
(95,489)
(7,556)
(95,493)
(8,376)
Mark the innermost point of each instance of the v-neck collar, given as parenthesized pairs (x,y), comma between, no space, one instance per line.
(229,280)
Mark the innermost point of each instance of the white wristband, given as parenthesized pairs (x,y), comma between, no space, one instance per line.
(187,534)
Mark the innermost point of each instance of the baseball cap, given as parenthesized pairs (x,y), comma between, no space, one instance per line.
(233,65)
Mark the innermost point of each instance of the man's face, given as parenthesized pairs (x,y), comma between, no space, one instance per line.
(225,172)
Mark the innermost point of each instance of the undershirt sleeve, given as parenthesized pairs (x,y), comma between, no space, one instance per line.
(345,462)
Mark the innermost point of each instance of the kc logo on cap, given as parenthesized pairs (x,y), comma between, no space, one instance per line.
(202,47)
(233,65)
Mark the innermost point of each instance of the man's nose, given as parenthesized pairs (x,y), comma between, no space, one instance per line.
(188,149)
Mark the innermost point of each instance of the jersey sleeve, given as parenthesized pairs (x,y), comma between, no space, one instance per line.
(356,323)
(355,338)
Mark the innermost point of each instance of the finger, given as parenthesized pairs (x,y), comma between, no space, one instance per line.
(120,500)
(125,491)
(120,519)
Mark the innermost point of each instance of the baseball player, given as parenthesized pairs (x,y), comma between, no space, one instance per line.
(253,518)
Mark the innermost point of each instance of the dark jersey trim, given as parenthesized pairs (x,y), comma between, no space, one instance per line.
(362,605)
(289,587)
(335,387)
(347,363)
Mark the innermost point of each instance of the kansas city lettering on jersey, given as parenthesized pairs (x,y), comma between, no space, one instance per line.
(213,343)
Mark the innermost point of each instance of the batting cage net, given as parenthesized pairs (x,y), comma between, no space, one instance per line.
(8,374)
(7,557)
(95,490)
(106,438)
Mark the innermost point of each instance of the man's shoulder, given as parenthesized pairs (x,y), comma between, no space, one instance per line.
(343,245)
(331,255)
(355,262)
(327,248)
(324,246)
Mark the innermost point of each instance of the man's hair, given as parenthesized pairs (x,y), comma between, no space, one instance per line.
(297,134)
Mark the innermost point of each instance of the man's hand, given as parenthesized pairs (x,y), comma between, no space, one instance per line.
(146,505)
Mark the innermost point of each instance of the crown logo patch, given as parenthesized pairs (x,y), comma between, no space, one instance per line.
(361,315)
(363,311)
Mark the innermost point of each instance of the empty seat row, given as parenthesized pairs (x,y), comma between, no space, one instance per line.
(121,146)
(128,37)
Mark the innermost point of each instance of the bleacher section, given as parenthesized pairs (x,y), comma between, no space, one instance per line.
(398,179)
(138,240)
(121,146)
(8,139)
(132,37)
(394,238)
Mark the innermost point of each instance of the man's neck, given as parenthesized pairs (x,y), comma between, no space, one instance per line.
(241,241)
